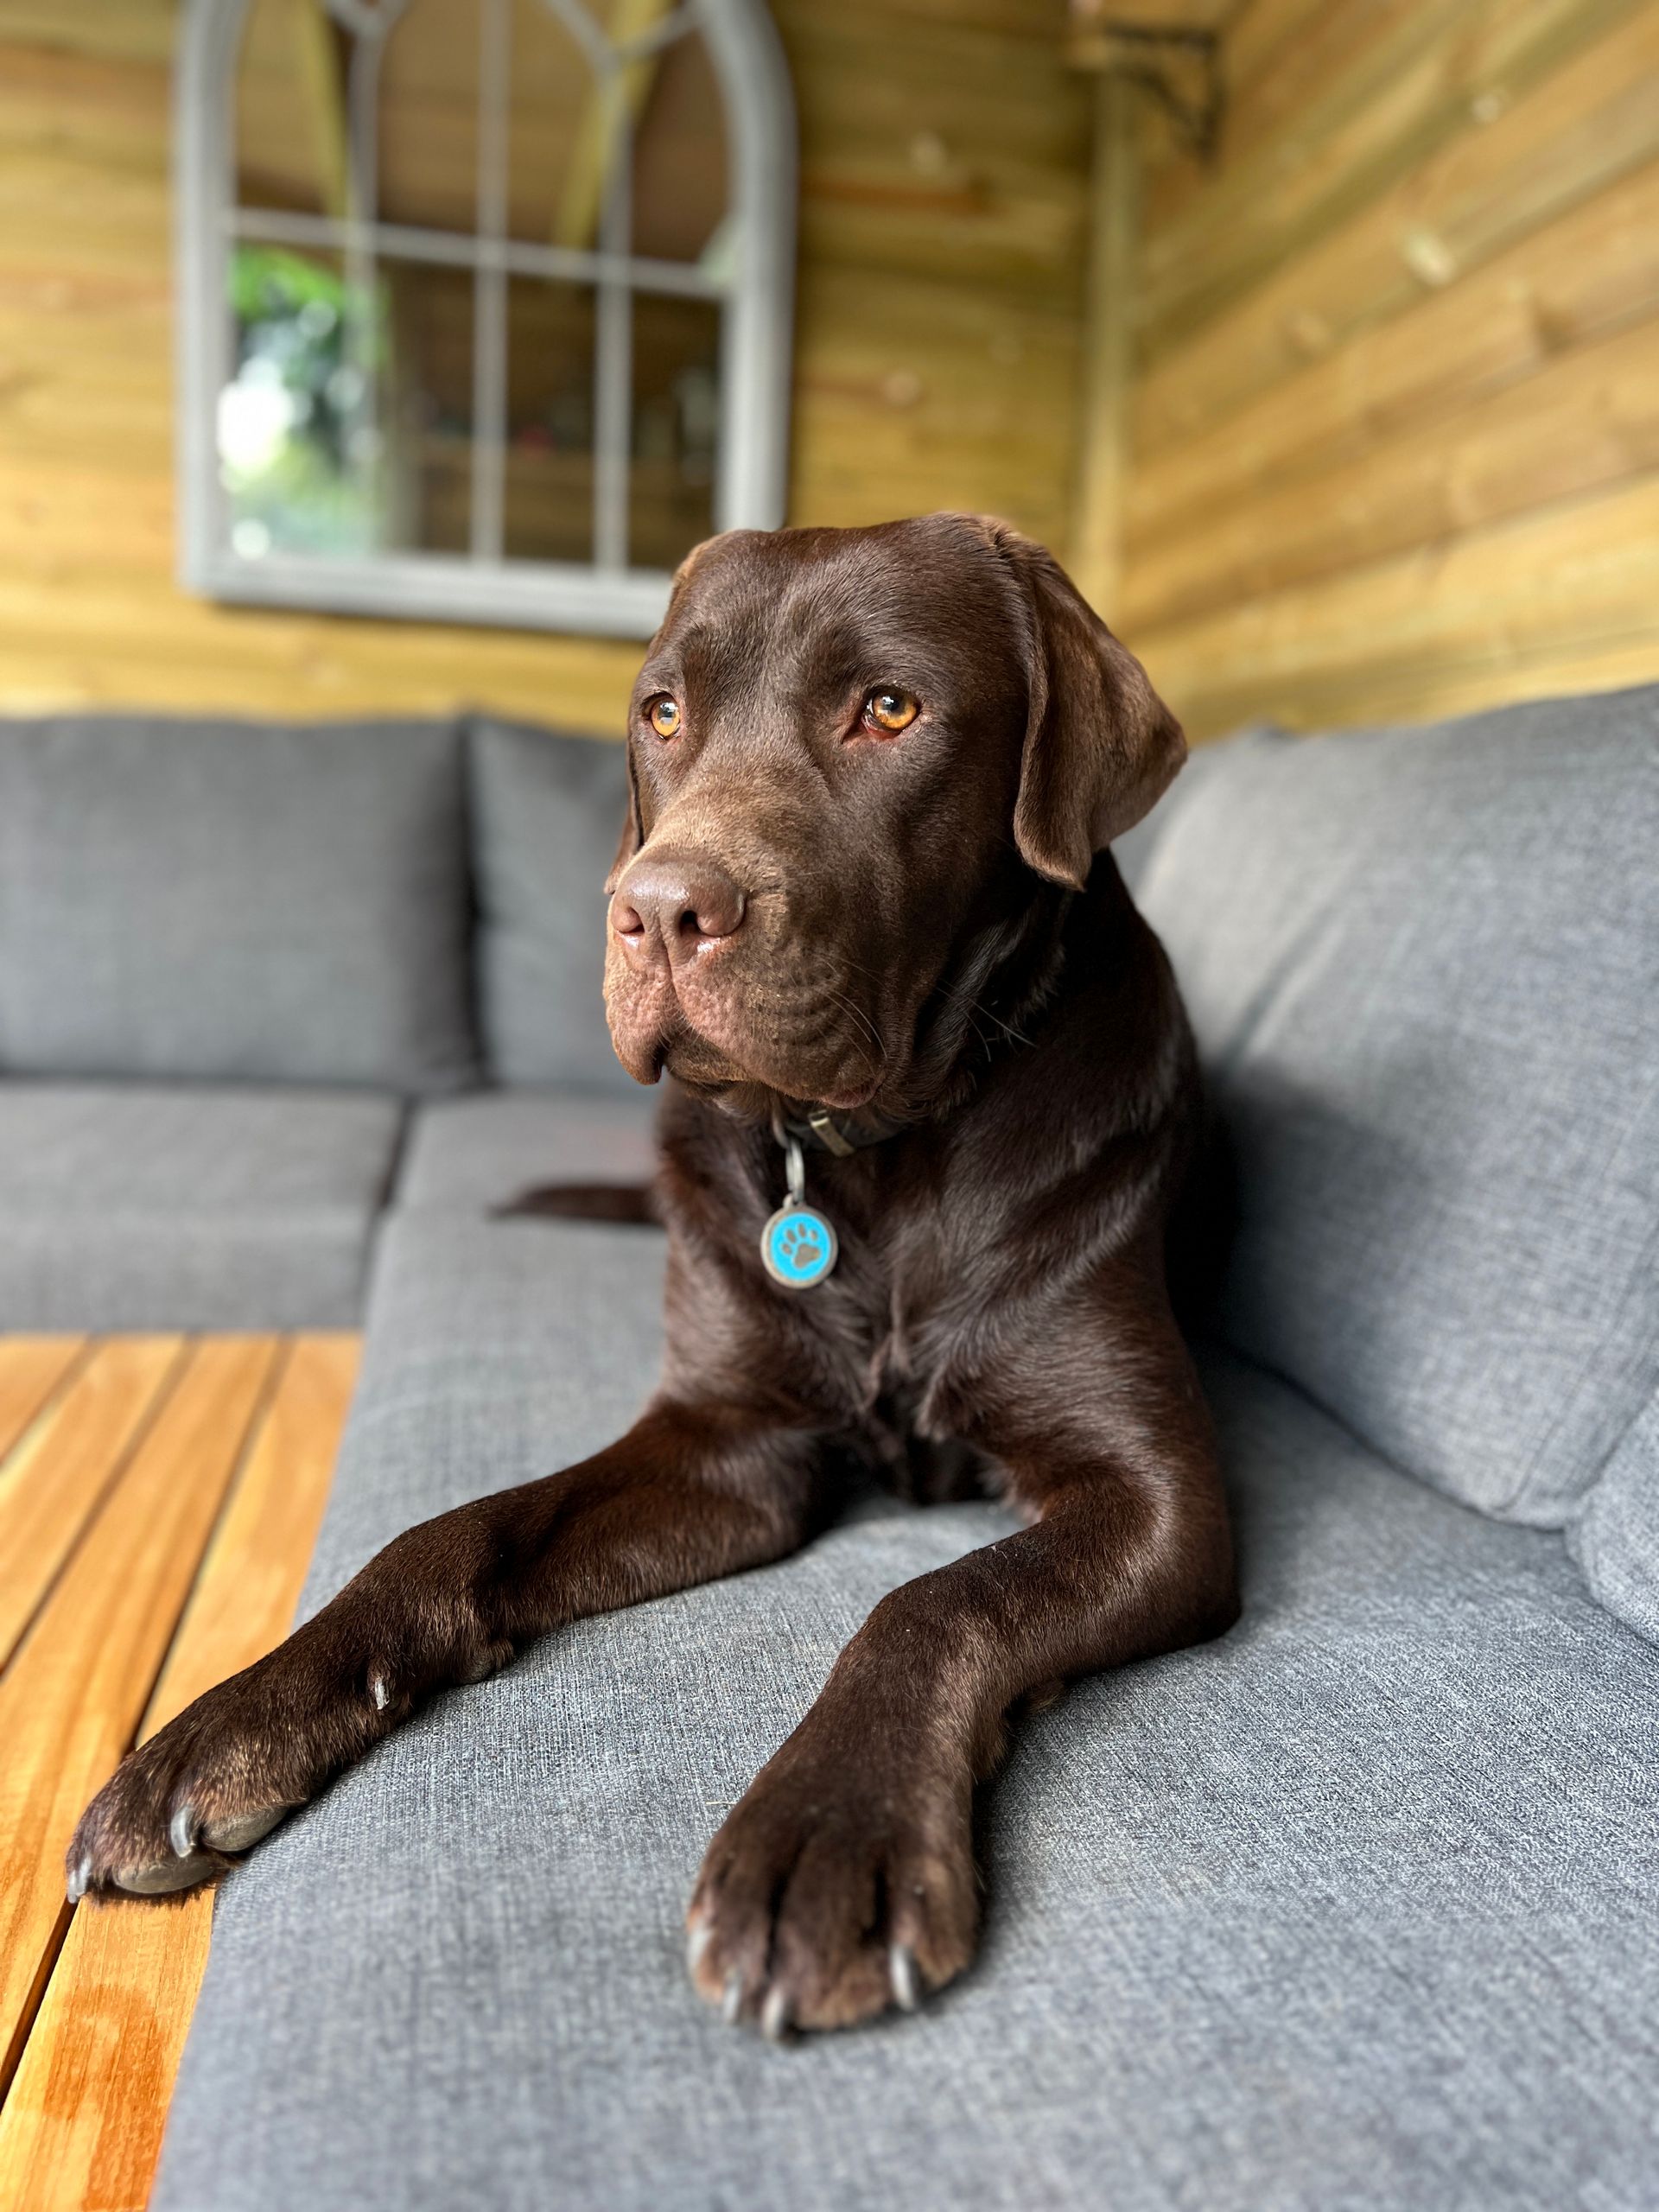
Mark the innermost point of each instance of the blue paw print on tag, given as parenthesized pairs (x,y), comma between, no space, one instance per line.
(799,1247)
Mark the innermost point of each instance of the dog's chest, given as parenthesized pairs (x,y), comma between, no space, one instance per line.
(924,1469)
(906,1318)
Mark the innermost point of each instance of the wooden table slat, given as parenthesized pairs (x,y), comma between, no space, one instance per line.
(74,1694)
(250,1583)
(53,1480)
(82,2126)
(31,1369)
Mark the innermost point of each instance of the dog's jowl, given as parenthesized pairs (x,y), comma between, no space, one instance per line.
(863,918)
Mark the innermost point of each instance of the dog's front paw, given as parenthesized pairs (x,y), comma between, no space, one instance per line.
(220,1776)
(826,1898)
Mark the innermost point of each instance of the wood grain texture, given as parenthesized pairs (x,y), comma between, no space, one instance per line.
(116,30)
(82,2126)
(75,1691)
(53,1482)
(1587,419)
(1594,272)
(1502,179)
(1499,613)
(1381,123)
(1409,465)
(1096,537)
(1282,54)
(31,1370)
(1151,14)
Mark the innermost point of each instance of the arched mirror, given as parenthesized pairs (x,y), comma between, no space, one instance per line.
(485,303)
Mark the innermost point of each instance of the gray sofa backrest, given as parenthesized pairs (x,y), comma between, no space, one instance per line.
(547,812)
(234,900)
(1423,965)
(1133,851)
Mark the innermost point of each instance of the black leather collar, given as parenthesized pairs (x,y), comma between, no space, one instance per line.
(822,1131)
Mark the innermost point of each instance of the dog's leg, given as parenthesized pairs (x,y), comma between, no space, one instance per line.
(843,1881)
(692,1492)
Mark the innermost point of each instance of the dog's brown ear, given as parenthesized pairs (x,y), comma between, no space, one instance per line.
(1101,747)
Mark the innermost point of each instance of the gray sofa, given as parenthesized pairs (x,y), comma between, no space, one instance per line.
(1355,1908)
(251,981)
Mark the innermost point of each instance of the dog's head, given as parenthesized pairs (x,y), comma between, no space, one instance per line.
(846,747)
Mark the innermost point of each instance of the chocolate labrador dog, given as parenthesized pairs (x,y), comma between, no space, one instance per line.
(933,1097)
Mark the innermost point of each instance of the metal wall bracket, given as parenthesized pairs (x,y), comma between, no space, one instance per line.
(1181,68)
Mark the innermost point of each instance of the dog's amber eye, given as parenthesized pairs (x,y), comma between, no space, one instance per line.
(664,717)
(890,711)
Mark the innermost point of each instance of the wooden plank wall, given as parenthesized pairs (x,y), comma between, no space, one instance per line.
(945,150)
(1395,445)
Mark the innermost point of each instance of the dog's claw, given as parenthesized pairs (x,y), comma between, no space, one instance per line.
(182,1830)
(732,2002)
(901,1971)
(775,2021)
(380,1692)
(80,1877)
(242,1835)
(697,1943)
(165,1875)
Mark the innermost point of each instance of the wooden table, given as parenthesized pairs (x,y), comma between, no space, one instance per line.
(159,1498)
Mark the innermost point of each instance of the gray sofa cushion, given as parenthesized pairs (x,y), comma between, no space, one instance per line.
(133,1207)
(1423,966)
(1353,1909)
(1133,851)
(547,812)
(234,900)
(479,1153)
(1616,1537)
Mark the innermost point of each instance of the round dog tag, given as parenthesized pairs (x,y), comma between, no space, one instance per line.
(798,1246)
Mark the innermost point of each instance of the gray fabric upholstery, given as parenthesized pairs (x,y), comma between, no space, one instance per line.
(1615,1538)
(482,1152)
(1423,966)
(141,1206)
(1354,1909)
(1133,851)
(234,900)
(547,812)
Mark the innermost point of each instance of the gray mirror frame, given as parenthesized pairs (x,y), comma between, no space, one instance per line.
(757,325)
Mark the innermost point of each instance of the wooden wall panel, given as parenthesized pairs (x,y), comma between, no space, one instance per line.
(1382,120)
(1497,613)
(1594,271)
(1504,177)
(943,154)
(1394,447)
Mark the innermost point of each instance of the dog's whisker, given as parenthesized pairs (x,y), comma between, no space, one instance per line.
(839,999)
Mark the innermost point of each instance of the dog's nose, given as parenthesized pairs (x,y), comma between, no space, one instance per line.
(678,904)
